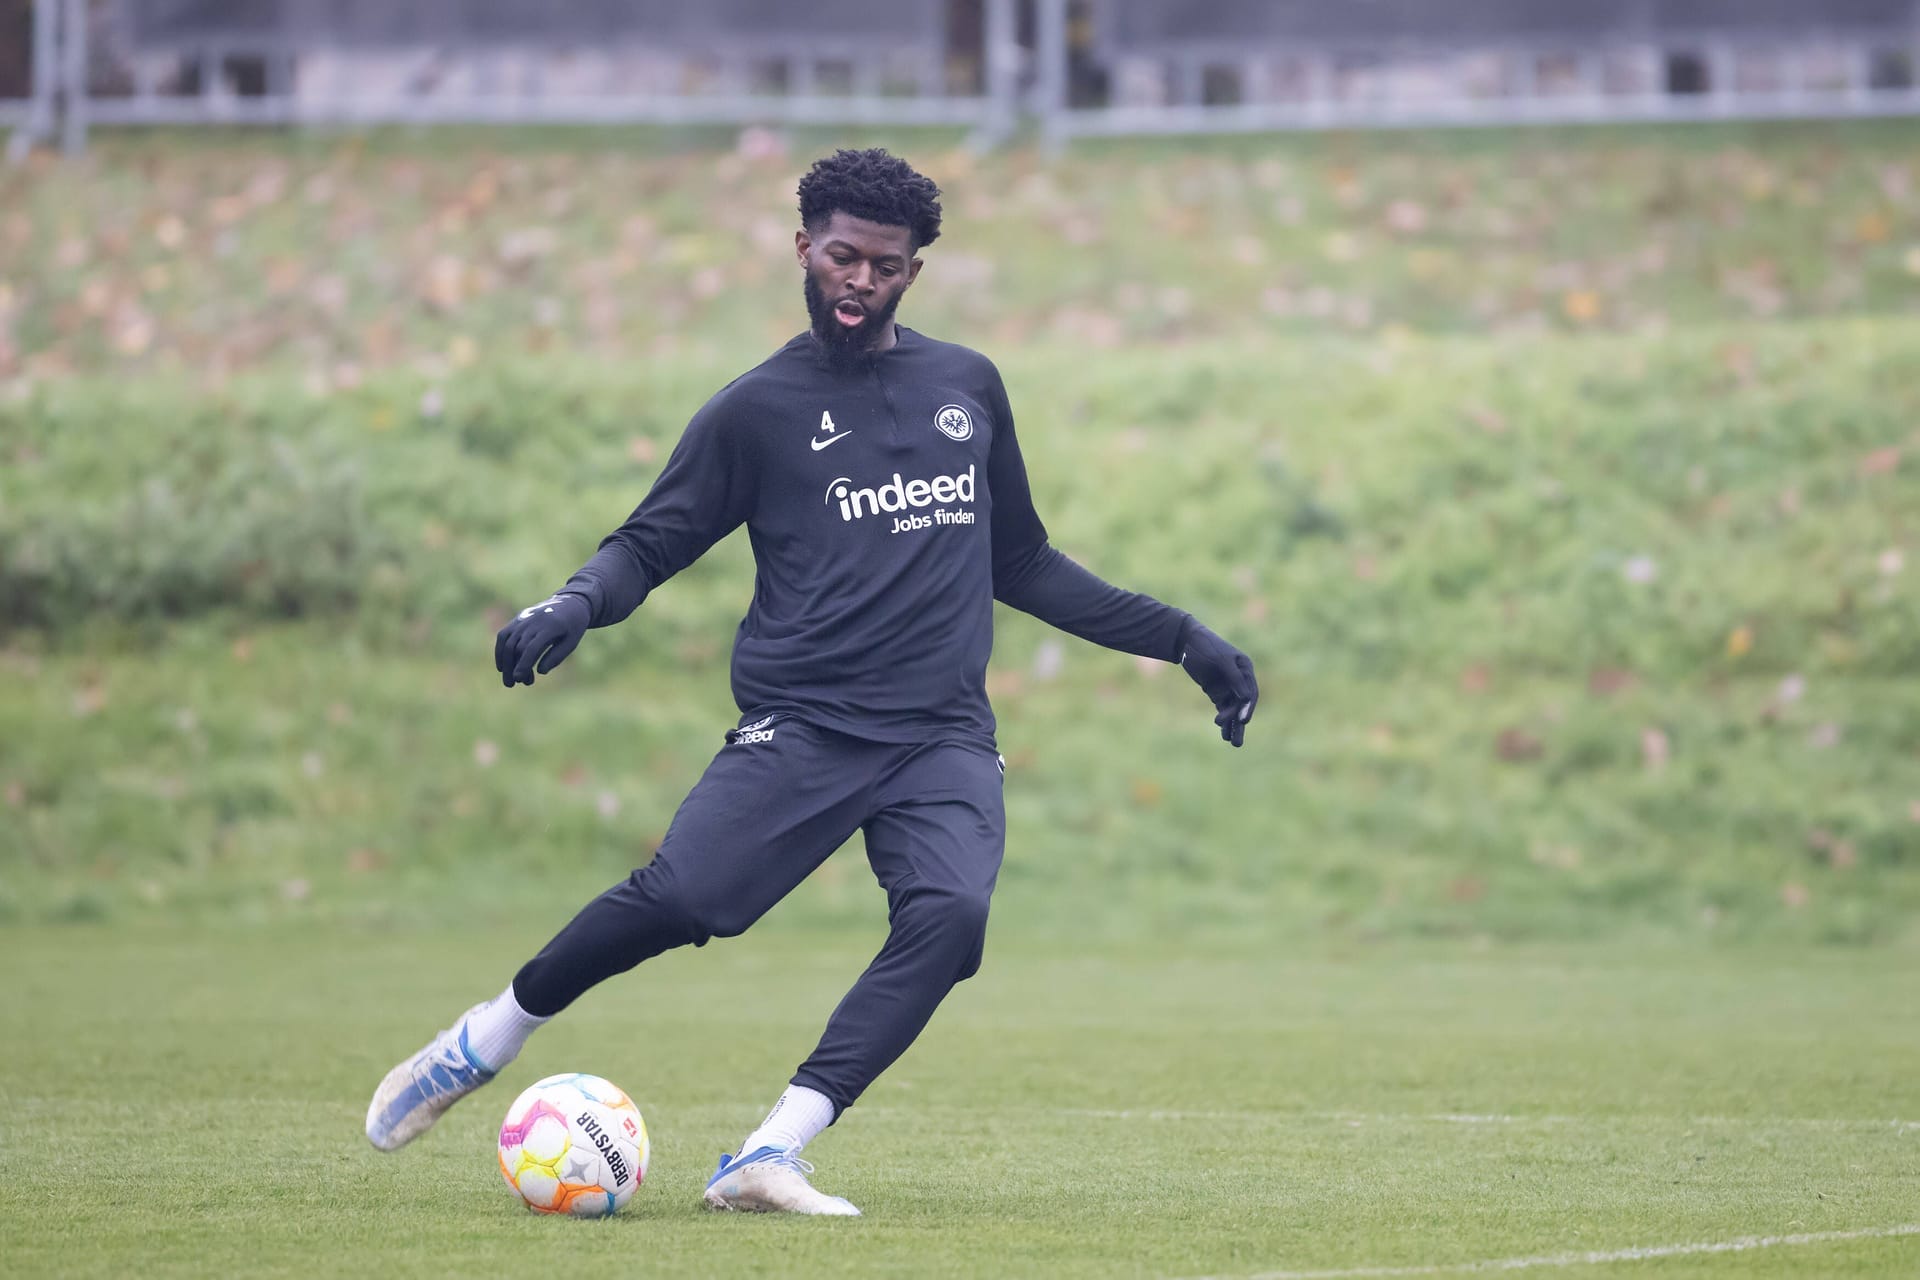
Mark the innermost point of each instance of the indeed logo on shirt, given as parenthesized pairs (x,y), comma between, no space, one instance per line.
(899,494)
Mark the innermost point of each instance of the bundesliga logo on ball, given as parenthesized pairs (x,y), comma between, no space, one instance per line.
(574,1144)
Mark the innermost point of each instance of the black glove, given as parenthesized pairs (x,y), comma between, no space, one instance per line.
(551,628)
(1226,675)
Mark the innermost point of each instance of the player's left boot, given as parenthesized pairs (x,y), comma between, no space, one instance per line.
(770,1180)
(419,1090)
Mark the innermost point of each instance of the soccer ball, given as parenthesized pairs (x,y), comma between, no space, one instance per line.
(574,1144)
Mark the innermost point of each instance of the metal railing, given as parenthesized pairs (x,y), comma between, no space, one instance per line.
(468,74)
(1652,64)
(1212,67)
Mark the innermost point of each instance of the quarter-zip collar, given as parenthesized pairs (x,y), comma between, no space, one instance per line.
(874,361)
(872,367)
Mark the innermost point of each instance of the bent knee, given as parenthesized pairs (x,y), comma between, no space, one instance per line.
(719,919)
(969,914)
(723,913)
(958,920)
(960,913)
(696,916)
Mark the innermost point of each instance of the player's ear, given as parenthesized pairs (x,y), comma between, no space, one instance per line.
(913,271)
(802,245)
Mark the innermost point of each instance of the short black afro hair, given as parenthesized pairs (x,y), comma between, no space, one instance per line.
(873,185)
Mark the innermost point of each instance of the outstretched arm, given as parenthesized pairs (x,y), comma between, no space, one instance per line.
(704,492)
(1033,576)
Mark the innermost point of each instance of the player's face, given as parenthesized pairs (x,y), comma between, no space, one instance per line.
(857,272)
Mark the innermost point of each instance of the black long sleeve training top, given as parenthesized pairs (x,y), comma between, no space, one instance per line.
(888,508)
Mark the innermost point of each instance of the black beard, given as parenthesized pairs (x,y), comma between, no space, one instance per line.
(844,347)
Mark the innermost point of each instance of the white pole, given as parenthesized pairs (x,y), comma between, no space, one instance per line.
(1051,86)
(1001,50)
(45,70)
(73,135)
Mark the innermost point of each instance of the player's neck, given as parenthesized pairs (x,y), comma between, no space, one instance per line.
(856,357)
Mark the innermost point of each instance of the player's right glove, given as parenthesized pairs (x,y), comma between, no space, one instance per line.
(1225,675)
(544,633)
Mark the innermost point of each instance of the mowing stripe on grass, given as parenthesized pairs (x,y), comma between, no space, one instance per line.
(1594,1258)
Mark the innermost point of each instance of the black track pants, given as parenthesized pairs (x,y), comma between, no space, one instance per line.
(776,801)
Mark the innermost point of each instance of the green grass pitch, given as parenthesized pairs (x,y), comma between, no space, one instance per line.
(185,1103)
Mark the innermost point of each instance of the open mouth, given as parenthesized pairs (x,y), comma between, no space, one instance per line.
(850,313)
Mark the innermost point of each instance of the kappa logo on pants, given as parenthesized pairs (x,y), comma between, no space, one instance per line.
(749,734)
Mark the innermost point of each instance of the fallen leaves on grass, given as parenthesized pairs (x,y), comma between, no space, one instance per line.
(1466,889)
(1838,852)
(1655,750)
(1488,420)
(1606,682)
(1880,461)
(365,861)
(1582,306)
(1516,745)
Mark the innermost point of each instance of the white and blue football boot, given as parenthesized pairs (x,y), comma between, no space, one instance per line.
(770,1180)
(416,1092)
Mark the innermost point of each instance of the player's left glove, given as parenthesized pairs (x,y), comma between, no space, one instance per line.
(545,633)
(1225,675)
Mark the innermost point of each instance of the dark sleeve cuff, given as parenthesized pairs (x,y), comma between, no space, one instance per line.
(612,585)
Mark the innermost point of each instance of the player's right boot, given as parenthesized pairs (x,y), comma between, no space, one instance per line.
(415,1093)
(770,1180)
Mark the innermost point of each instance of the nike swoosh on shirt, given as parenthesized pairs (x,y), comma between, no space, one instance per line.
(819,444)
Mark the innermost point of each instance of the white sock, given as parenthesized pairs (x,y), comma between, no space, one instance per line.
(795,1120)
(497,1029)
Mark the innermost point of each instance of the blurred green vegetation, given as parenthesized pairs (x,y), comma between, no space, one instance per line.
(1609,636)
(334,255)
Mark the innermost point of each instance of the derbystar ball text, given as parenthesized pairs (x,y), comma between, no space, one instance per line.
(590,1126)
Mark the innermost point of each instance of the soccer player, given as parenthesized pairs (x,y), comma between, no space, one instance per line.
(881,483)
